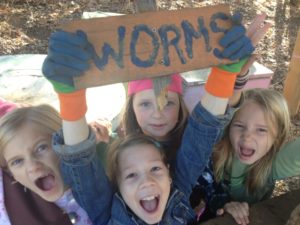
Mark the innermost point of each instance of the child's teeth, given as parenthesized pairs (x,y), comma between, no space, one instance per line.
(148,198)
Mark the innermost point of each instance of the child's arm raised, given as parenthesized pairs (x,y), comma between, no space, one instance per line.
(256,30)
(204,127)
(68,58)
(207,120)
(76,145)
(238,44)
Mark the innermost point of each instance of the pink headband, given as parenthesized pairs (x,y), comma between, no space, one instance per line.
(145,84)
(5,107)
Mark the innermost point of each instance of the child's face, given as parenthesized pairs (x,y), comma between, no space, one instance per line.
(250,133)
(144,182)
(152,121)
(33,163)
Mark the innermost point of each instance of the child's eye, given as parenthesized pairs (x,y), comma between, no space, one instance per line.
(42,147)
(262,130)
(237,125)
(155,168)
(131,175)
(16,162)
(145,104)
(170,103)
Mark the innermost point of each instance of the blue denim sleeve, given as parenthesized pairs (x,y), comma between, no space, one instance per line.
(83,172)
(201,134)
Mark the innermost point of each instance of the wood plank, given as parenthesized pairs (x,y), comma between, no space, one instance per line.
(292,83)
(274,211)
(105,30)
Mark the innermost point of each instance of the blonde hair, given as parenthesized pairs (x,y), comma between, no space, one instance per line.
(45,116)
(130,125)
(119,145)
(275,108)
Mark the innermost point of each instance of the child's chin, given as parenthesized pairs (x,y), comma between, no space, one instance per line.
(52,196)
(247,161)
(152,220)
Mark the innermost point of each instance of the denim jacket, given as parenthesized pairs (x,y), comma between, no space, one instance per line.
(91,188)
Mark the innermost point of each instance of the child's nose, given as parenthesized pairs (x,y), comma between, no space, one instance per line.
(33,165)
(157,112)
(147,180)
(247,133)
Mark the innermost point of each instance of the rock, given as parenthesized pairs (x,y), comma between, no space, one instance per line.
(295,217)
(274,211)
(21,80)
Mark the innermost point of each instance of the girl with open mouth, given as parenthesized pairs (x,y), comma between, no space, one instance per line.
(249,158)
(27,155)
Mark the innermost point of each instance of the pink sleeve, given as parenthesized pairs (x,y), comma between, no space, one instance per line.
(4,220)
(6,106)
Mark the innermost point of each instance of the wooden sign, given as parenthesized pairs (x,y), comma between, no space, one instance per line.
(292,83)
(151,44)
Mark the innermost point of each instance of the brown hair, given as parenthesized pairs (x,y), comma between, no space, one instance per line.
(276,112)
(116,148)
(44,116)
(131,126)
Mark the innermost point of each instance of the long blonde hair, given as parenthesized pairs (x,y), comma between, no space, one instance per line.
(44,116)
(275,108)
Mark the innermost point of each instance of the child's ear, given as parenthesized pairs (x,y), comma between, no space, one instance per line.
(168,166)
(170,179)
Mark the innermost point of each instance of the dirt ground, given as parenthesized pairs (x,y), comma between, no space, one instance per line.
(25,26)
